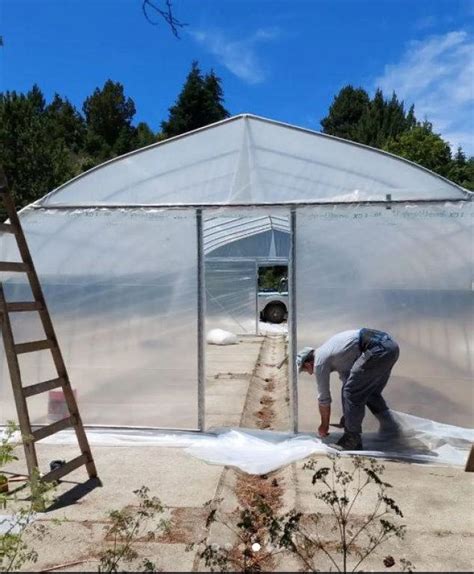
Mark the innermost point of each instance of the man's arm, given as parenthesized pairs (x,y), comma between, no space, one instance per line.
(325,412)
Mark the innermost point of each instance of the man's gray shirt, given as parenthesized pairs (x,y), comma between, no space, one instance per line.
(338,353)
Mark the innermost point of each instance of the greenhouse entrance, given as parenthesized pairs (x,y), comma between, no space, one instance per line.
(246,256)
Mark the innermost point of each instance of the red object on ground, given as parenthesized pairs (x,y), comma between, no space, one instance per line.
(57,406)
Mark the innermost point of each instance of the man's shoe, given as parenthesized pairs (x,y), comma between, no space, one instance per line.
(348,441)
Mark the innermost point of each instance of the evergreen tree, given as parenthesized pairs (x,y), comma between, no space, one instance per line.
(200,103)
(424,147)
(143,135)
(345,112)
(36,99)
(353,115)
(383,120)
(66,124)
(461,170)
(215,98)
(410,120)
(384,124)
(108,118)
(369,128)
(33,160)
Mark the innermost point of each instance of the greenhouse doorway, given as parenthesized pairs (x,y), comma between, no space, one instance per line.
(246,338)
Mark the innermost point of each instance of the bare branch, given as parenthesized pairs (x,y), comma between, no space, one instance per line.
(165,13)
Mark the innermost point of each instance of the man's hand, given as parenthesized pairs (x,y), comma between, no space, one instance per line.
(323,431)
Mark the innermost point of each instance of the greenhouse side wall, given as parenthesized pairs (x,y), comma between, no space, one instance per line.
(121,286)
(406,270)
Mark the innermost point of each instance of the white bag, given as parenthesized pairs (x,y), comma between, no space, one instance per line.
(221,337)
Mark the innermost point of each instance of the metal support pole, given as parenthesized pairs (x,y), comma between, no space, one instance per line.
(201,327)
(257,326)
(292,350)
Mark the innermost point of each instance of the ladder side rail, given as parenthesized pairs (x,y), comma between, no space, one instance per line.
(20,400)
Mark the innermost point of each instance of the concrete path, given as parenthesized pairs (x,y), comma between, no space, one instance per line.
(246,389)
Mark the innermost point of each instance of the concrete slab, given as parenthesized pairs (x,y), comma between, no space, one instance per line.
(436,501)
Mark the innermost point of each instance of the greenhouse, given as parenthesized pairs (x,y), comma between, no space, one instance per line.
(140,257)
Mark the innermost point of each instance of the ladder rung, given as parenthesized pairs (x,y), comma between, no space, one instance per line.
(57,473)
(32,346)
(43,387)
(7,228)
(13,266)
(24,306)
(43,432)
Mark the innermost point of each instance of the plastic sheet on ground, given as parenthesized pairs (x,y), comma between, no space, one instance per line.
(258,452)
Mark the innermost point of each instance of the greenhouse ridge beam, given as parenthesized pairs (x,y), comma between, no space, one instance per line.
(230,206)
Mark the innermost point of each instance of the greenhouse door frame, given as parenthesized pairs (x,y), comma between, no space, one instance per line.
(291,262)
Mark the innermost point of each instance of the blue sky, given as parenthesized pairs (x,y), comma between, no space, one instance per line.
(282,59)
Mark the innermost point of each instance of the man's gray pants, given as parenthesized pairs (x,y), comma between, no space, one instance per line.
(366,381)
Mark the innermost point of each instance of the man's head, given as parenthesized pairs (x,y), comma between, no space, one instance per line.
(305,360)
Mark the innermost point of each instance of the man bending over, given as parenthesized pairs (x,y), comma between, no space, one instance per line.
(363,359)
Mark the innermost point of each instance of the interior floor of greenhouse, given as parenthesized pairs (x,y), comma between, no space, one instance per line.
(245,389)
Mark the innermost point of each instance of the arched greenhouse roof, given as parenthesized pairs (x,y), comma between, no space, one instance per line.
(248,160)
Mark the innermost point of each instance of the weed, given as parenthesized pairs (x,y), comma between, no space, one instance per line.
(128,526)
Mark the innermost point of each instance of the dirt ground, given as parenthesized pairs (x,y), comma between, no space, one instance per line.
(244,389)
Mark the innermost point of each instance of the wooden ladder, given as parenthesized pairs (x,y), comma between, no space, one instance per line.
(50,343)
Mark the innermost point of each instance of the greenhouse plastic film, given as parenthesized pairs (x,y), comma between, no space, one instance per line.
(405,270)
(121,287)
(251,160)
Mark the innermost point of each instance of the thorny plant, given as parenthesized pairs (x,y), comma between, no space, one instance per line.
(129,526)
(14,550)
(259,533)
(358,535)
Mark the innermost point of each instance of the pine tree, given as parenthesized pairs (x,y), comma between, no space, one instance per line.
(143,136)
(33,160)
(216,110)
(353,115)
(369,129)
(345,112)
(66,124)
(109,117)
(200,103)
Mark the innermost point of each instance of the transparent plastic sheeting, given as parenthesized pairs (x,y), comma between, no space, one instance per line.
(407,270)
(247,159)
(259,234)
(259,452)
(121,287)
(234,242)
(231,296)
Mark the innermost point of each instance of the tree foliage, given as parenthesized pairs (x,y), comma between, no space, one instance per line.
(35,162)
(200,103)
(109,114)
(422,146)
(385,124)
(43,145)
(346,112)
